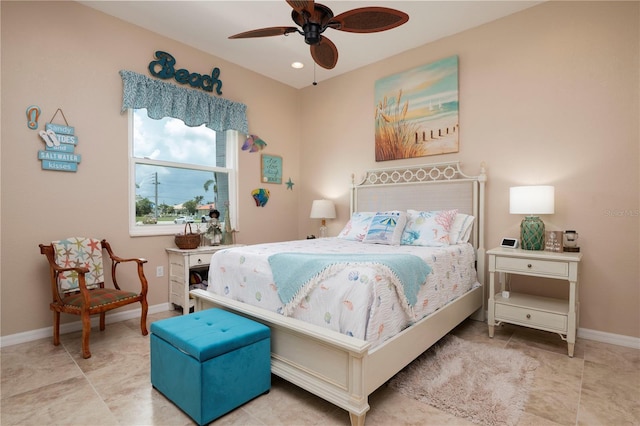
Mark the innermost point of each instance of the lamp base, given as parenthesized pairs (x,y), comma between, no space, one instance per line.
(323,231)
(532,233)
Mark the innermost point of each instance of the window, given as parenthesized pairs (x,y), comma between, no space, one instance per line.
(177,173)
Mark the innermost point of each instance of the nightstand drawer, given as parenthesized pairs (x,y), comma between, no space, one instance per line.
(533,266)
(181,264)
(199,259)
(178,299)
(176,286)
(531,317)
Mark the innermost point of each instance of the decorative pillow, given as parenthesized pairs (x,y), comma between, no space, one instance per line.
(79,252)
(428,228)
(357,227)
(461,229)
(386,228)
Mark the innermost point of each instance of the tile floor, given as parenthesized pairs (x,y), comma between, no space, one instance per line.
(43,384)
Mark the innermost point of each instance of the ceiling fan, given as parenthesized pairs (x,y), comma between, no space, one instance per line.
(314,18)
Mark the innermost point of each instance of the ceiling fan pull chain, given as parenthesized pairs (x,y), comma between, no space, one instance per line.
(315,83)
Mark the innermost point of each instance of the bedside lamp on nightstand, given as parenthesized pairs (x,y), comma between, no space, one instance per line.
(323,209)
(531,201)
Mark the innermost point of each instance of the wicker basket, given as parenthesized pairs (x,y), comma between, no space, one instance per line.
(189,240)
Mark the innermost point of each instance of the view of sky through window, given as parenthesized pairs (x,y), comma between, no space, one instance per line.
(181,160)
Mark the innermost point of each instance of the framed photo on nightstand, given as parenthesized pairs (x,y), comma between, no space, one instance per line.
(553,241)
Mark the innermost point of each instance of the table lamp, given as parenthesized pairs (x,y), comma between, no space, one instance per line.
(531,201)
(323,209)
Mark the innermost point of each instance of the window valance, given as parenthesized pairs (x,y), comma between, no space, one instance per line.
(191,106)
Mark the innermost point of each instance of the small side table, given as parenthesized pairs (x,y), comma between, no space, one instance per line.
(543,313)
(181,262)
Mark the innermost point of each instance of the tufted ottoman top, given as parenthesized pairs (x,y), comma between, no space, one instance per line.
(209,333)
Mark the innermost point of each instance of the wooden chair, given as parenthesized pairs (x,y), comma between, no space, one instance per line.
(76,270)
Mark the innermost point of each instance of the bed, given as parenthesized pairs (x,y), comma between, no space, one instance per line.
(338,360)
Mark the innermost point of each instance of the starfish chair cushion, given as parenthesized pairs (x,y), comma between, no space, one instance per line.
(79,252)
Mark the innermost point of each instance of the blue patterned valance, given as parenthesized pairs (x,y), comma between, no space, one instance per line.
(191,106)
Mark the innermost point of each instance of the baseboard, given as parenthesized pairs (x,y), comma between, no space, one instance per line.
(614,339)
(601,336)
(28,336)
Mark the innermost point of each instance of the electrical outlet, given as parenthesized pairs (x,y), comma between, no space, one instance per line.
(160,271)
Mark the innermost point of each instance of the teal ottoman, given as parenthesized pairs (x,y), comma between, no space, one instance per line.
(210,362)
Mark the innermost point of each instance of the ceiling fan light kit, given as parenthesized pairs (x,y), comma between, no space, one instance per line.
(314,18)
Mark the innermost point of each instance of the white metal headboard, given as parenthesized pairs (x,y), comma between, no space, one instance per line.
(435,186)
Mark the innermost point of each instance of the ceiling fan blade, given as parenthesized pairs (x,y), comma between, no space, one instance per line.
(316,13)
(266,32)
(368,20)
(325,53)
(300,5)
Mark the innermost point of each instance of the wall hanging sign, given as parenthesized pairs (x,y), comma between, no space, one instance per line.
(271,168)
(60,142)
(417,112)
(164,67)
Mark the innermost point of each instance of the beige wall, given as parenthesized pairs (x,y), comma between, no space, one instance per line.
(65,55)
(548,95)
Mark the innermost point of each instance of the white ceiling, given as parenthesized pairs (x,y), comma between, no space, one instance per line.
(206,25)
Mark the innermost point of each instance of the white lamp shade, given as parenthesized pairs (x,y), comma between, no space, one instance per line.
(532,200)
(323,209)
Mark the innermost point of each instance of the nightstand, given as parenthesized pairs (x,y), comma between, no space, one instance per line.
(181,262)
(543,313)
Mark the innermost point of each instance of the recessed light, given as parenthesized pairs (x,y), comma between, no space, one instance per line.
(297,65)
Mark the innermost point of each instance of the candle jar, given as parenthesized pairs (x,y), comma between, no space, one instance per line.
(570,241)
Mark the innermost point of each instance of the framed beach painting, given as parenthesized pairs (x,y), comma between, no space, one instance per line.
(416,112)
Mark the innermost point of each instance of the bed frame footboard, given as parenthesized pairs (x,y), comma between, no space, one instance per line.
(340,369)
(326,363)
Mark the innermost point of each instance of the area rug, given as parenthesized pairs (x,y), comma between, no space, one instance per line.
(481,383)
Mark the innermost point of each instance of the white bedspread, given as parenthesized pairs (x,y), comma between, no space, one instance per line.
(358,300)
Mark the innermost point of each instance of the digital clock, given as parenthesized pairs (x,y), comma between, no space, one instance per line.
(509,243)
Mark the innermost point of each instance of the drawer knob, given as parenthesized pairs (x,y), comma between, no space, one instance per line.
(529,265)
(528,316)
(200,261)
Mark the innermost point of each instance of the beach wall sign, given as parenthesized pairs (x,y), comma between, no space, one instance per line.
(164,67)
(59,152)
(271,168)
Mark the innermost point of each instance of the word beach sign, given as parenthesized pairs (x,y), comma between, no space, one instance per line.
(165,68)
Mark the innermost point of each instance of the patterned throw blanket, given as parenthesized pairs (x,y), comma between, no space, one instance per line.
(296,274)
